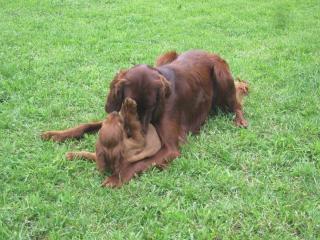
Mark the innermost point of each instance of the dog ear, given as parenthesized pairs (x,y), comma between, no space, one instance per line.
(163,93)
(118,89)
(115,156)
(101,161)
(116,94)
(164,87)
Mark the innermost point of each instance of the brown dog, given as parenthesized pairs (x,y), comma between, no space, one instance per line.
(121,142)
(176,96)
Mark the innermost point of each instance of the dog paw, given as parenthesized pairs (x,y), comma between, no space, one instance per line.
(129,105)
(111,182)
(241,123)
(46,135)
(70,156)
(130,102)
(52,135)
(161,166)
(163,163)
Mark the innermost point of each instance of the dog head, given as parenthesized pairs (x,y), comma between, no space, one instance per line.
(146,86)
(110,144)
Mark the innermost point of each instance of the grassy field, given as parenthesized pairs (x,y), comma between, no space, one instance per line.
(57,59)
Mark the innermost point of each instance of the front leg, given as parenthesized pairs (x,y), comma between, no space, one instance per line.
(239,120)
(132,124)
(236,107)
(84,155)
(76,132)
(127,172)
(112,181)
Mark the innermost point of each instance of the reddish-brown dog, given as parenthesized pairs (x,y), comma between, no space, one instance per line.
(121,142)
(176,96)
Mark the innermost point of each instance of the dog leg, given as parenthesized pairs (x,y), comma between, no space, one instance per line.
(76,132)
(112,181)
(132,124)
(225,87)
(160,160)
(236,107)
(84,155)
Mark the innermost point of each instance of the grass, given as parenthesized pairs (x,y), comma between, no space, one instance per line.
(57,59)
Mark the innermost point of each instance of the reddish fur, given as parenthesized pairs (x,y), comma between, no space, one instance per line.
(199,83)
(242,89)
(177,97)
(121,142)
(166,58)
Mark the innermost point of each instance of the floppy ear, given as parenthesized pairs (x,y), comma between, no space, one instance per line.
(116,156)
(116,94)
(101,161)
(165,90)
(163,93)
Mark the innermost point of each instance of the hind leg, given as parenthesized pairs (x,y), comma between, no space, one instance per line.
(239,120)
(76,132)
(225,94)
(132,124)
(84,155)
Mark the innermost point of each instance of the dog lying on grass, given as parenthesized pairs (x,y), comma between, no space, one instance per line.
(121,142)
(176,96)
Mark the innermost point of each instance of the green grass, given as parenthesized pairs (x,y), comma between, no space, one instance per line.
(57,59)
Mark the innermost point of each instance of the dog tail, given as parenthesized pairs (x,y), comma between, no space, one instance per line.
(242,89)
(166,58)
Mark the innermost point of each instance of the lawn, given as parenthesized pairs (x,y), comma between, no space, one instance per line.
(57,59)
